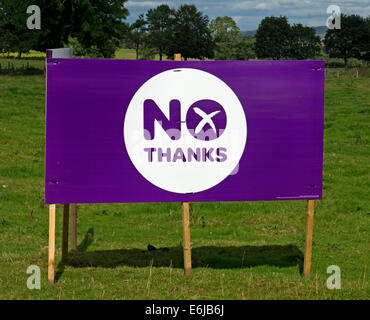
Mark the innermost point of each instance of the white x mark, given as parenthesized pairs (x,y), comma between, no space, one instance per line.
(206,118)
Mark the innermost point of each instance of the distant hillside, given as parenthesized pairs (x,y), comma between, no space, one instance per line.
(248,33)
(320,31)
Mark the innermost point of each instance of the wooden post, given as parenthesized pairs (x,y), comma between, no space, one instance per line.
(51,261)
(73,226)
(65,232)
(191,213)
(309,232)
(186,237)
(185,222)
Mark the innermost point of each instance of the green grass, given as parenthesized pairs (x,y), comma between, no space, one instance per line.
(250,250)
(127,54)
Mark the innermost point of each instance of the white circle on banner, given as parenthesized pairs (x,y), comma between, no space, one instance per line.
(185,161)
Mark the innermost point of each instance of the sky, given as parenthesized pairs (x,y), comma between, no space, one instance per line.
(249,13)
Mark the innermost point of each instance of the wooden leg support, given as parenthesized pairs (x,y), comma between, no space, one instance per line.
(73,226)
(309,233)
(51,261)
(65,232)
(186,237)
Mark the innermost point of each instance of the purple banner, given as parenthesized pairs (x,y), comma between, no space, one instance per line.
(176,131)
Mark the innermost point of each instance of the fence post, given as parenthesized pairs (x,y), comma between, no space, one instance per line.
(65,232)
(73,226)
(51,259)
(309,234)
(186,238)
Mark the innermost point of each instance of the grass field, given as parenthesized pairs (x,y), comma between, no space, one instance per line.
(240,250)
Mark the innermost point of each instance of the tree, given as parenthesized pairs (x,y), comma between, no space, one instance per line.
(81,51)
(243,49)
(347,42)
(146,52)
(303,43)
(94,23)
(272,38)
(137,34)
(223,29)
(160,21)
(230,44)
(14,35)
(226,35)
(190,34)
(56,23)
(365,41)
(98,23)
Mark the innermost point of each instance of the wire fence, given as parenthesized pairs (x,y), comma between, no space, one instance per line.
(22,66)
(36,65)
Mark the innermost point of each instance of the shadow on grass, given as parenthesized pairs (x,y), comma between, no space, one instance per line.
(217,257)
(82,247)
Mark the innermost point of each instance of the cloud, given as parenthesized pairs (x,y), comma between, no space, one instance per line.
(249,13)
(243,5)
(237,19)
(151,4)
(348,2)
(262,5)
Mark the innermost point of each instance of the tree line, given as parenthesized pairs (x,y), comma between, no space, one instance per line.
(96,25)
(276,39)
(96,28)
(188,31)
